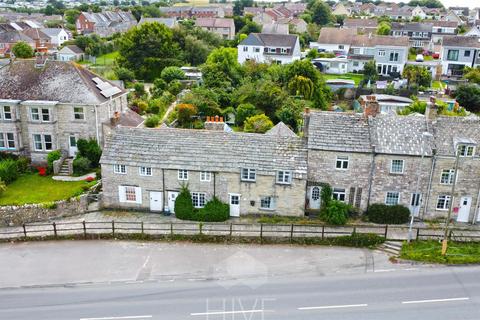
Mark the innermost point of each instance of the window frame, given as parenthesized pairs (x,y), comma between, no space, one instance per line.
(127,193)
(182,174)
(382,52)
(392,166)
(342,160)
(339,193)
(43,142)
(392,193)
(205,176)
(39,115)
(446,204)
(450,178)
(4,139)
(144,171)
(76,113)
(267,199)
(284,177)
(199,199)
(465,148)
(455,54)
(117,169)
(10,113)
(249,172)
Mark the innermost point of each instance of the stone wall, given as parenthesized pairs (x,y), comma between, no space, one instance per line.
(17,215)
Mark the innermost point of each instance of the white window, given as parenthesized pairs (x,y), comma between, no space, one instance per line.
(466,151)
(182,174)
(396,166)
(443,202)
(42,142)
(248,174)
(120,168)
(7,140)
(145,171)
(205,176)
(284,177)
(355,63)
(284,50)
(394,56)
(35,114)
(341,163)
(45,115)
(392,198)
(78,113)
(341,47)
(198,199)
(40,114)
(339,194)
(245,49)
(447,176)
(130,194)
(267,203)
(7,113)
(381,53)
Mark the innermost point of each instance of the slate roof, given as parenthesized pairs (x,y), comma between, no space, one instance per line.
(281,130)
(213,150)
(448,130)
(73,48)
(169,22)
(338,131)
(412,26)
(334,35)
(65,82)
(461,41)
(275,28)
(215,22)
(360,23)
(14,36)
(392,134)
(270,40)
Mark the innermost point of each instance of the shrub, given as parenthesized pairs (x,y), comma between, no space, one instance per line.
(359,240)
(89,149)
(51,157)
(23,164)
(81,165)
(172,73)
(382,213)
(214,211)
(335,213)
(326,194)
(258,124)
(22,50)
(124,74)
(184,205)
(42,171)
(175,87)
(8,170)
(152,121)
(244,111)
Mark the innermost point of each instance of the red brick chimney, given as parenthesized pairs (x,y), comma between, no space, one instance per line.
(370,106)
(215,123)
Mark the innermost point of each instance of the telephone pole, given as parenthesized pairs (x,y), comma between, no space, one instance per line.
(447,223)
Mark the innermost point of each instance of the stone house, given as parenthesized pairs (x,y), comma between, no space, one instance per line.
(49,105)
(145,169)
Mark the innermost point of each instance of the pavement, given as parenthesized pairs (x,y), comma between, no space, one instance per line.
(71,178)
(261,282)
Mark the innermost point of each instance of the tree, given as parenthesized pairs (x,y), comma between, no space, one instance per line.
(184,205)
(258,124)
(222,68)
(244,111)
(370,71)
(205,101)
(239,5)
(321,13)
(301,86)
(468,96)
(384,29)
(71,15)
(417,75)
(147,50)
(172,73)
(185,112)
(22,50)
(250,27)
(472,74)
(124,74)
(291,113)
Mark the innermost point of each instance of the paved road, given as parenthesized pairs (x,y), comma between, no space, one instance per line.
(434,293)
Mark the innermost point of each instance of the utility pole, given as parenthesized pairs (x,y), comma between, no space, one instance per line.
(447,223)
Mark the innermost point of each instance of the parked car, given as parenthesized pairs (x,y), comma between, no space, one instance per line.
(436,55)
(419,58)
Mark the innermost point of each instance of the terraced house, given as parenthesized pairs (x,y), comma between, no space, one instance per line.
(48,105)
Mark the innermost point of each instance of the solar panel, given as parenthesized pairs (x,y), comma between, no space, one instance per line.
(97,80)
(104,86)
(110,92)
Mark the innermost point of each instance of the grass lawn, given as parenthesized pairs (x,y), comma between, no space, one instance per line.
(438,85)
(107,59)
(32,188)
(430,251)
(347,76)
(413,57)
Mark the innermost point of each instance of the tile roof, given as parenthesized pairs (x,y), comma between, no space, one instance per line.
(215,22)
(338,131)
(448,130)
(360,23)
(412,26)
(271,40)
(461,41)
(335,35)
(214,150)
(65,82)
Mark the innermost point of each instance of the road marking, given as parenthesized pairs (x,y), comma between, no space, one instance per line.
(335,307)
(228,312)
(385,270)
(435,300)
(117,318)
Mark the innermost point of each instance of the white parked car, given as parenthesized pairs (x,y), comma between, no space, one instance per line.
(419,58)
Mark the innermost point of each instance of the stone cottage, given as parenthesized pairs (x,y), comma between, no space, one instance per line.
(145,169)
(48,105)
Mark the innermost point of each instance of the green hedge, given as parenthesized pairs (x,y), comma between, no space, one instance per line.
(335,213)
(51,157)
(81,165)
(382,213)
(214,210)
(184,205)
(8,170)
(89,149)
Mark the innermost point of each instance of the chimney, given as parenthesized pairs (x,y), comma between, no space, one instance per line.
(41,59)
(115,119)
(306,122)
(370,106)
(215,123)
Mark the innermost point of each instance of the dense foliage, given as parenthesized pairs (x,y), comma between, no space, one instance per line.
(468,96)
(382,213)
(51,157)
(89,149)
(22,50)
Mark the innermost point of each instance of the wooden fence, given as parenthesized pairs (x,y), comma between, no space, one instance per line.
(114,228)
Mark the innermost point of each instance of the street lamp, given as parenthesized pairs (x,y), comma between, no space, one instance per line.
(416,198)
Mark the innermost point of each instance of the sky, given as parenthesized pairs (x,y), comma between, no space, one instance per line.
(452,3)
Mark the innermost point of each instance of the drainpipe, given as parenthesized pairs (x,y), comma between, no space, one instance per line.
(370,178)
(96,123)
(214,184)
(430,180)
(163,189)
(477,207)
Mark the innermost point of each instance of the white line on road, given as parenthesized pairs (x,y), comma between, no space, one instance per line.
(228,312)
(435,300)
(335,307)
(385,270)
(118,318)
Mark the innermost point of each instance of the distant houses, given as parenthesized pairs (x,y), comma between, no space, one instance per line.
(275,48)
(105,23)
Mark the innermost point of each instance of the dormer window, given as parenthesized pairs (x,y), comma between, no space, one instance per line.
(466,150)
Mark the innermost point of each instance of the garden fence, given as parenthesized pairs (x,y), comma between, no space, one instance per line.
(244,230)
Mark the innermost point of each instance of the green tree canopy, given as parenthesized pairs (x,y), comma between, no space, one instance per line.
(147,50)
(258,124)
(172,73)
(222,68)
(384,28)
(468,96)
(370,71)
(417,75)
(22,50)
(321,13)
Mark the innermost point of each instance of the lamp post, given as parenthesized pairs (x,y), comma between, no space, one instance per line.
(416,198)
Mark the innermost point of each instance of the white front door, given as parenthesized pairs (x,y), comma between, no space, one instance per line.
(234,205)
(156,201)
(464,210)
(314,197)
(415,200)
(72,146)
(172,196)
